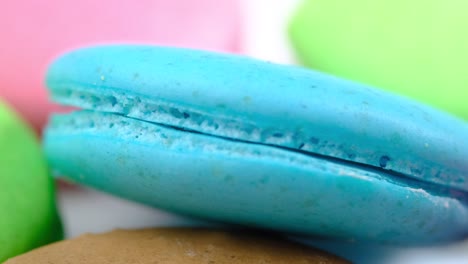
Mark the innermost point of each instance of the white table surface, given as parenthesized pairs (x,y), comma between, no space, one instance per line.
(85,210)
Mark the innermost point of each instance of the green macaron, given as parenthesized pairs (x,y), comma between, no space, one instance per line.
(27,197)
(414,48)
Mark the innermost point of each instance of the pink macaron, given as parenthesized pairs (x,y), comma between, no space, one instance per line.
(35,31)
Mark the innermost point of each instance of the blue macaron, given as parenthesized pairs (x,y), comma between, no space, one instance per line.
(233,139)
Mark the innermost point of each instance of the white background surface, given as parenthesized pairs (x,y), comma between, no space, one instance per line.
(264,29)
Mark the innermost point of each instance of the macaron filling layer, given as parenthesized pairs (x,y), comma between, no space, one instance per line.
(186,118)
(89,120)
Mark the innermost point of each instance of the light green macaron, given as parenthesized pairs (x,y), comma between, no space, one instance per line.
(27,198)
(414,48)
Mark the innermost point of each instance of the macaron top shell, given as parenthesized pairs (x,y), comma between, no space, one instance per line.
(240,98)
(27,203)
(176,245)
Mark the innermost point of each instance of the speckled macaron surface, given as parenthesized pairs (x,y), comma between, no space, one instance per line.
(243,141)
(414,48)
(174,246)
(27,203)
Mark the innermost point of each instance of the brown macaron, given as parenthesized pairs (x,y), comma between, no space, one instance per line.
(174,246)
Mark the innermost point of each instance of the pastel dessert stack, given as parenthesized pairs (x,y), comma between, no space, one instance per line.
(241,142)
(278,149)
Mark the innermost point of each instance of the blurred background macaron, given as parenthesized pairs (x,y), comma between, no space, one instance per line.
(35,31)
(27,198)
(177,245)
(414,48)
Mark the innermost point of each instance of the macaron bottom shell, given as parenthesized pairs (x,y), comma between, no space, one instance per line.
(27,197)
(250,184)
